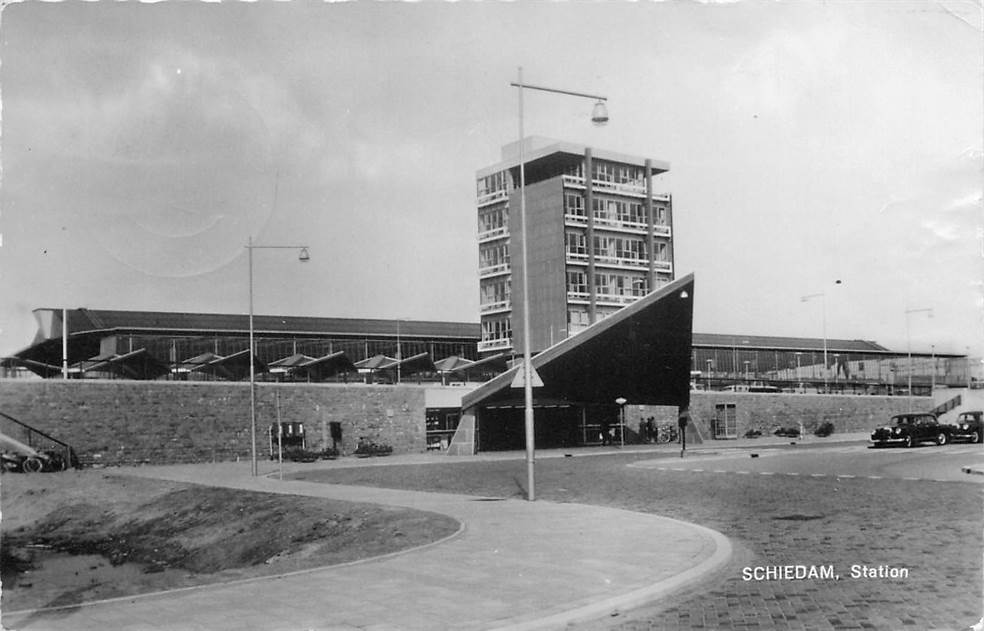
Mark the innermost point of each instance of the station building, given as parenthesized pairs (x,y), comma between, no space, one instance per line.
(610,321)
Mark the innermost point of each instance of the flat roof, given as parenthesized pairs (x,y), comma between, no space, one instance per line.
(537,147)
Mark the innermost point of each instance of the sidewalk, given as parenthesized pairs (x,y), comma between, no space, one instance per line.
(514,564)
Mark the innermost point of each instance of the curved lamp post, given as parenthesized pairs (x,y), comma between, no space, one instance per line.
(621,401)
(599,116)
(304,257)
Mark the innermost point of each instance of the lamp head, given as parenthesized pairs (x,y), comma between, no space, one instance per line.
(599,115)
(304,256)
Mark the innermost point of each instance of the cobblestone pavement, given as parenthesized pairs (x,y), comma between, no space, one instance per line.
(930,528)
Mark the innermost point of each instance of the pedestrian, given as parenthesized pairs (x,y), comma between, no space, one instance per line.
(605,429)
(651,429)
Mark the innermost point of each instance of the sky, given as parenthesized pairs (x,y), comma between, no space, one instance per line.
(143,145)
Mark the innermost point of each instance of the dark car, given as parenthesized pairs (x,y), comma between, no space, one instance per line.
(912,429)
(969,426)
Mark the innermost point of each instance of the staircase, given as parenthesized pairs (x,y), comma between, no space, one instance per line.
(35,439)
(946,406)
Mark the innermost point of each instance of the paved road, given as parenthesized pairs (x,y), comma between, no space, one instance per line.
(941,464)
(904,509)
(820,518)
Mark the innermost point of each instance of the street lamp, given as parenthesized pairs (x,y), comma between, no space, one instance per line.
(746,362)
(710,366)
(621,401)
(599,116)
(304,257)
(908,345)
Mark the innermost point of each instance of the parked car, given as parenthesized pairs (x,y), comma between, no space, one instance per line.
(912,429)
(969,426)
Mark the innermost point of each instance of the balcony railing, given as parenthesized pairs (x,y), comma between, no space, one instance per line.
(493,197)
(495,345)
(579,258)
(618,261)
(499,305)
(493,270)
(634,190)
(634,227)
(494,233)
(616,299)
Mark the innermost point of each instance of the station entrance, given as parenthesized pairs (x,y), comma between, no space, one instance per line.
(556,426)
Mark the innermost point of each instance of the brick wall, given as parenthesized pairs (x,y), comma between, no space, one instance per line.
(129,422)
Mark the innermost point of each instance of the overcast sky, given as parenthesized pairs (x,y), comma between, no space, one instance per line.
(809,142)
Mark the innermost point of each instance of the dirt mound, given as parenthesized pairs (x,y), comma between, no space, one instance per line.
(209,534)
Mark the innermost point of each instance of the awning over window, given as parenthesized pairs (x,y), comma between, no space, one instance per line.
(316,368)
(138,364)
(234,367)
(377,362)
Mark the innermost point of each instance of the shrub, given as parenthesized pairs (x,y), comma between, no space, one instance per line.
(825,429)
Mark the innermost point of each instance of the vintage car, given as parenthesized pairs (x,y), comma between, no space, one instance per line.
(969,426)
(912,429)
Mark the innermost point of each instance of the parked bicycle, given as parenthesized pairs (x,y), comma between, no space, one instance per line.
(667,434)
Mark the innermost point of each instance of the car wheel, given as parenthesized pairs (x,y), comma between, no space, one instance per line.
(909,442)
(976,437)
(32,465)
(941,439)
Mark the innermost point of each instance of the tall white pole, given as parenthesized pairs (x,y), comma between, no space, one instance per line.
(826,366)
(64,343)
(527,363)
(252,375)
(908,350)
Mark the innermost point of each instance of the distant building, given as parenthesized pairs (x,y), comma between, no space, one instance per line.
(597,242)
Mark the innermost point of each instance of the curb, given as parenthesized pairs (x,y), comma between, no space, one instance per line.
(641,596)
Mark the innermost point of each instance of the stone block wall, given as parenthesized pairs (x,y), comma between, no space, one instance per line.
(764,412)
(133,422)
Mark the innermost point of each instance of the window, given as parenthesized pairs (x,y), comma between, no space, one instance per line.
(577,320)
(659,253)
(496,329)
(577,243)
(660,214)
(574,203)
(493,219)
(577,282)
(603,171)
(492,183)
(493,256)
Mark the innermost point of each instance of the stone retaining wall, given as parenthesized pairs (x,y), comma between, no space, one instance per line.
(159,422)
(132,422)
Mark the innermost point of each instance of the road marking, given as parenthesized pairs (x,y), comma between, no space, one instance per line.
(909,478)
(742,472)
(720,471)
(845,475)
(793,473)
(767,473)
(698,470)
(875,477)
(818,475)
